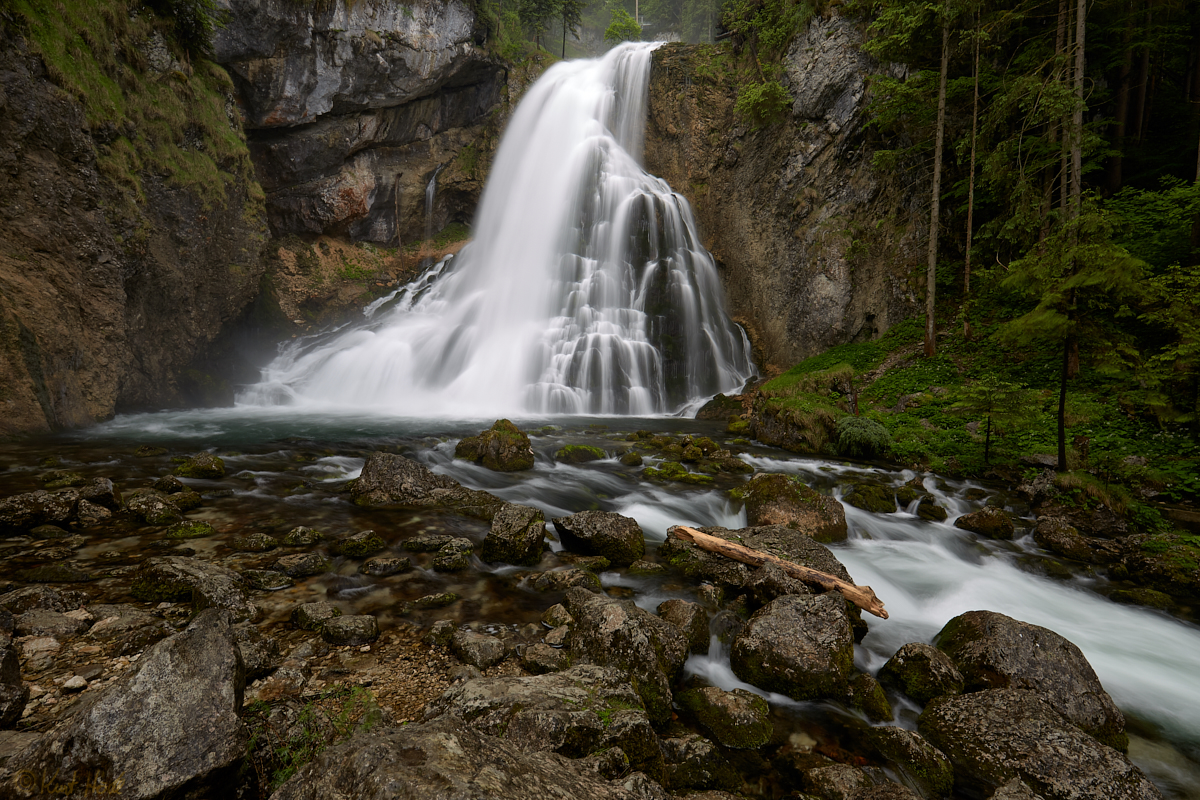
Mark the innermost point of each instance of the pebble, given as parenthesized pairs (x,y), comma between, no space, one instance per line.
(76,684)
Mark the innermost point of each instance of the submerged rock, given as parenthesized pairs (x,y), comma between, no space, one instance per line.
(603,533)
(202,465)
(998,735)
(301,565)
(358,545)
(580,454)
(389,479)
(775,499)
(994,651)
(167,727)
(503,448)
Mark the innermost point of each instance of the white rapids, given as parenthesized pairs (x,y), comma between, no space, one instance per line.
(585,290)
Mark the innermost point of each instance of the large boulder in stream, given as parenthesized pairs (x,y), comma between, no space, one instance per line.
(502,448)
(775,499)
(616,633)
(995,736)
(389,479)
(169,727)
(452,761)
(21,512)
(575,713)
(517,536)
(993,651)
(798,645)
(603,533)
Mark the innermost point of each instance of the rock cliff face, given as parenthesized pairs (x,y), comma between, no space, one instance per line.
(816,246)
(353,107)
(112,278)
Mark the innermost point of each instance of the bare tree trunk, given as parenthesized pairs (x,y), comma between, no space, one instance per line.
(1062,42)
(1143,80)
(1115,164)
(935,204)
(971,190)
(1077,116)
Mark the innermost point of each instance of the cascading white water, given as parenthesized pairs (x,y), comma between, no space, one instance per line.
(585,290)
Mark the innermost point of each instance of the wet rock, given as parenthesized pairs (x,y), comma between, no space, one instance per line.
(389,479)
(631,459)
(618,634)
(14,693)
(453,556)
(691,619)
(89,514)
(575,713)
(560,580)
(1015,790)
(478,649)
(152,508)
(996,735)
(674,471)
(580,454)
(170,722)
(992,522)
(770,581)
(61,479)
(358,545)
(25,511)
(189,529)
(350,630)
(866,695)
(169,484)
(43,622)
(693,762)
(267,580)
(436,600)
(207,585)
(801,646)
(428,542)
(642,567)
(556,616)
(541,658)
(737,719)
(503,448)
(775,499)
(1057,535)
(383,567)
(440,633)
(993,651)
(202,465)
(49,532)
(310,616)
(922,672)
(928,509)
(836,782)
(871,497)
(559,637)
(923,763)
(302,536)
(446,759)
(101,492)
(604,533)
(301,565)
(254,543)
(517,536)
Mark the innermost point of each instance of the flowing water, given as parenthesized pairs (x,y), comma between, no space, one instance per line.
(585,289)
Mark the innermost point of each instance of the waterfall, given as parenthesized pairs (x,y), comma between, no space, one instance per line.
(585,290)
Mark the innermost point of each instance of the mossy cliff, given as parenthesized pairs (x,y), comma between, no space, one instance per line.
(130,218)
(816,247)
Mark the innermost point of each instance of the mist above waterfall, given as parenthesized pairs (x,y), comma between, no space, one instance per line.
(584,291)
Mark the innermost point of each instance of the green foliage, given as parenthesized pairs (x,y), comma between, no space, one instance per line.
(767,26)
(763,103)
(282,743)
(860,437)
(1001,405)
(454,232)
(192,23)
(536,15)
(622,28)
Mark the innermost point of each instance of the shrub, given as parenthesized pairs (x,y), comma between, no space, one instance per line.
(763,103)
(859,437)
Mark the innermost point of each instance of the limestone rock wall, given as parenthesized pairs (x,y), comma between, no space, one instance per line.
(816,247)
(352,106)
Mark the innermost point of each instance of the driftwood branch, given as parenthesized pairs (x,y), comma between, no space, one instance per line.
(861,596)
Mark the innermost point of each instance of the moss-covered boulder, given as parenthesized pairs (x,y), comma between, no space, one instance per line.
(690,618)
(737,719)
(922,672)
(267,580)
(152,507)
(992,522)
(866,695)
(388,479)
(453,556)
(189,529)
(302,536)
(61,479)
(358,545)
(798,645)
(674,471)
(994,651)
(603,533)
(912,755)
(257,542)
(502,448)
(871,497)
(930,510)
(383,567)
(302,565)
(1168,562)
(517,536)
(311,616)
(579,454)
(632,458)
(775,499)
(721,408)
(202,465)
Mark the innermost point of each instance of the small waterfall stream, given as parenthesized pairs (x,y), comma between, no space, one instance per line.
(585,290)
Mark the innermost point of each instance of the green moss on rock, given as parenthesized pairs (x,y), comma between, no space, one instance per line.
(579,454)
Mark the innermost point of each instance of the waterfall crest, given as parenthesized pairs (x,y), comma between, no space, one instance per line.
(584,291)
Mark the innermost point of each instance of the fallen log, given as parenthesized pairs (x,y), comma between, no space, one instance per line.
(861,596)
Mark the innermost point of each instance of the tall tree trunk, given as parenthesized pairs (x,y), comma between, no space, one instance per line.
(1115,164)
(935,204)
(1061,43)
(971,191)
(1077,116)
(1143,80)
